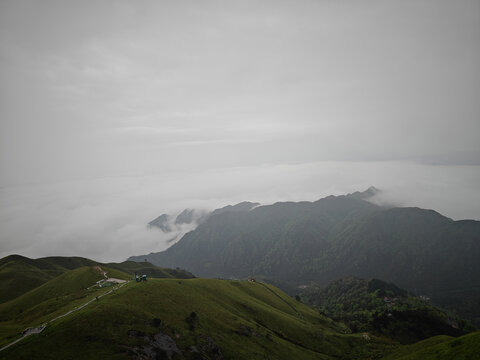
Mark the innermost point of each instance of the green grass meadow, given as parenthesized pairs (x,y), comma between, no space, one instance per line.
(246,320)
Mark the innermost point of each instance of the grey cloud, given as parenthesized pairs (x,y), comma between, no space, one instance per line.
(170,90)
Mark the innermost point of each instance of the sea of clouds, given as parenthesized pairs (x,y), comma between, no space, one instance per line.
(106,218)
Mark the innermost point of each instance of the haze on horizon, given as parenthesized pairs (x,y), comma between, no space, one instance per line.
(114,112)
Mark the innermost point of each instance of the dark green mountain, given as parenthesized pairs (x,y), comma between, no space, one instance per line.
(266,240)
(291,244)
(383,309)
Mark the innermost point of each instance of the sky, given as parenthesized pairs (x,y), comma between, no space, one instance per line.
(114,112)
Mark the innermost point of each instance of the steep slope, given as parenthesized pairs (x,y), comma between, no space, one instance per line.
(195,319)
(410,246)
(417,249)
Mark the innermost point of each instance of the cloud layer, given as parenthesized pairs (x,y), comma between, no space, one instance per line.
(105,219)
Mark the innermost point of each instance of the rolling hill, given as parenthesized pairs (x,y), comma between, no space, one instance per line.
(19,274)
(196,319)
(62,284)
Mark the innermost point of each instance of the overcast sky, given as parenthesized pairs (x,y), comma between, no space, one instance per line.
(113,112)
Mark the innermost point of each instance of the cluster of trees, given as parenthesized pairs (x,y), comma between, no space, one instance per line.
(384,309)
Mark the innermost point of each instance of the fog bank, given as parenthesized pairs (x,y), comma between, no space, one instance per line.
(106,219)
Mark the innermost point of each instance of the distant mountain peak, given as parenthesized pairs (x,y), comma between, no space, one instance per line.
(161,222)
(185,217)
(191,216)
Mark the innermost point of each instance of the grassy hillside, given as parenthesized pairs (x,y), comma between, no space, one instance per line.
(50,299)
(19,274)
(199,319)
(67,284)
(55,285)
(441,348)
